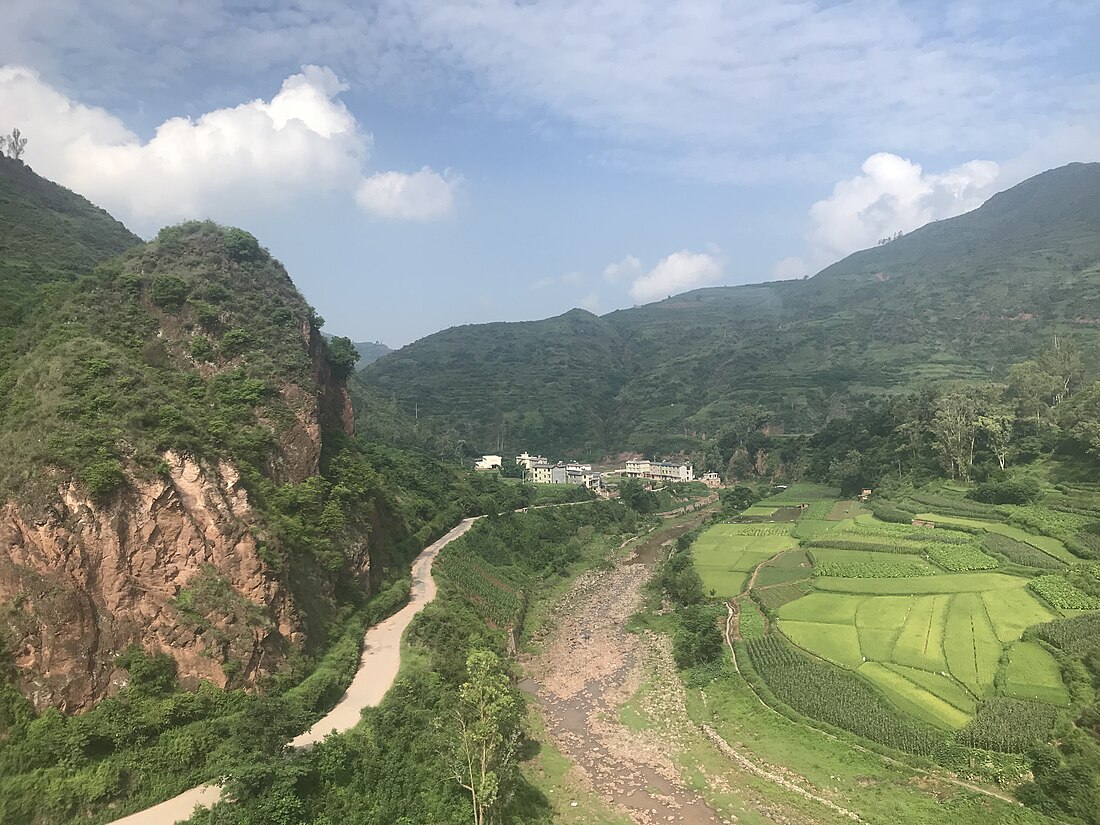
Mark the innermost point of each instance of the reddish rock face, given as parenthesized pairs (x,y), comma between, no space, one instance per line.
(86,581)
(89,581)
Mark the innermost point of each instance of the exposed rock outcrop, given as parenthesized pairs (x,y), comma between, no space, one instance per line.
(88,581)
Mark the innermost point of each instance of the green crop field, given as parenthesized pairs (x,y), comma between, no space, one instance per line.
(1032,673)
(1050,546)
(947,583)
(1013,611)
(837,643)
(845,510)
(868,564)
(938,684)
(913,699)
(828,608)
(725,554)
(970,645)
(920,643)
(786,567)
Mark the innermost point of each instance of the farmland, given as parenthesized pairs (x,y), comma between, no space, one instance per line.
(912,636)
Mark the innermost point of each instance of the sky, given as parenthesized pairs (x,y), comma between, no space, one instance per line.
(421,164)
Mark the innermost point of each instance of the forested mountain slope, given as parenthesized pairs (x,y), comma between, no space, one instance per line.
(958,299)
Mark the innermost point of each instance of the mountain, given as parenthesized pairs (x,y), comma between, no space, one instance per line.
(959,299)
(175,463)
(370,351)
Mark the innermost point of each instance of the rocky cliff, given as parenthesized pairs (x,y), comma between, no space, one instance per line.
(163,435)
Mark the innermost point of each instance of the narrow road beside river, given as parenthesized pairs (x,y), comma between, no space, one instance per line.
(378,666)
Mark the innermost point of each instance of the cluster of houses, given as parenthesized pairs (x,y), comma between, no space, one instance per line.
(539,470)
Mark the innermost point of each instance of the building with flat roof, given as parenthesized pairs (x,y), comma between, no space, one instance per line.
(489,462)
(659,470)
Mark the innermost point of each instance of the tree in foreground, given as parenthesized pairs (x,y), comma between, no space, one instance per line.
(488,729)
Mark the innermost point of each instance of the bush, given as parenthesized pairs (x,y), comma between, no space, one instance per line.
(168,291)
(697,640)
(241,245)
(235,341)
(1004,492)
(103,477)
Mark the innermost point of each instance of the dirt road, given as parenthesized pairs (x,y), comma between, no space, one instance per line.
(378,666)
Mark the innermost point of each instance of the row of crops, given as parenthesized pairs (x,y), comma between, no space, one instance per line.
(1057,591)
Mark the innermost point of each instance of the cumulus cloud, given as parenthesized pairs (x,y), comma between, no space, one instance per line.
(678,272)
(224,162)
(423,195)
(893,195)
(628,267)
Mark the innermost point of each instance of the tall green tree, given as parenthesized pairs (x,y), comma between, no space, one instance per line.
(997,422)
(955,429)
(488,729)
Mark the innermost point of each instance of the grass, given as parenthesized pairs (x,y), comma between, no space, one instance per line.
(1032,673)
(859,780)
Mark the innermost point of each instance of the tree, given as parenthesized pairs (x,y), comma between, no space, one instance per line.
(343,356)
(997,423)
(13,145)
(488,720)
(1033,390)
(955,428)
(1061,361)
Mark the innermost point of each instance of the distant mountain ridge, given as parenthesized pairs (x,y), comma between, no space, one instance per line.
(370,351)
(958,299)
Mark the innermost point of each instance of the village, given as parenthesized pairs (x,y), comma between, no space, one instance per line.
(538,469)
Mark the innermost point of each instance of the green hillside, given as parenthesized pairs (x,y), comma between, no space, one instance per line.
(370,351)
(958,299)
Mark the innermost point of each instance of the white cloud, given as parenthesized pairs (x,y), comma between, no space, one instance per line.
(221,164)
(423,195)
(789,269)
(628,267)
(678,272)
(893,195)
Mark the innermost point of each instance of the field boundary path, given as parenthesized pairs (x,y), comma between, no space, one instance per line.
(378,666)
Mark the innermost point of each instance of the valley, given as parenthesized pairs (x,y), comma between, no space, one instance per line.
(235,572)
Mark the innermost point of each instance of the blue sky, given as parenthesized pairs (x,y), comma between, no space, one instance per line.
(418,165)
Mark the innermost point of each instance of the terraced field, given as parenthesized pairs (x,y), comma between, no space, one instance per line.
(726,553)
(922,614)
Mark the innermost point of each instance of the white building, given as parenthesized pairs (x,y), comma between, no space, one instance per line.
(489,462)
(543,472)
(659,470)
(712,479)
(525,460)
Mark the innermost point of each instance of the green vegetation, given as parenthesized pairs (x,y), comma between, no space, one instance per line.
(956,301)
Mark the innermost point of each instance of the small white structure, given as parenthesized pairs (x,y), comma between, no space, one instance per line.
(712,479)
(489,462)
